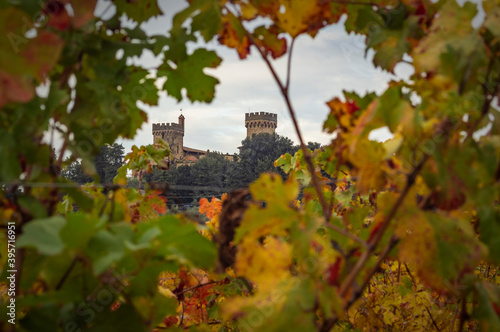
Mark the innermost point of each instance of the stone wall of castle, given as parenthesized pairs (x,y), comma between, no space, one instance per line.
(260,123)
(173,134)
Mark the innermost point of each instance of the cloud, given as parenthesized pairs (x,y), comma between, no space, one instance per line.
(321,68)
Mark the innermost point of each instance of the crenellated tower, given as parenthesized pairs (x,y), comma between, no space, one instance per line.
(173,134)
(261,122)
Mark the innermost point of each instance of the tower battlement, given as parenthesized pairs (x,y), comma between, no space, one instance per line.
(261,123)
(168,126)
(261,116)
(173,134)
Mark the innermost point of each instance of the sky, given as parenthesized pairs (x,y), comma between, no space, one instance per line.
(321,68)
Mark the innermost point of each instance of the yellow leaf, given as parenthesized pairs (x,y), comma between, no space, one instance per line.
(264,264)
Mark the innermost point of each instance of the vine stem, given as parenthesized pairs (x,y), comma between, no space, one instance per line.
(67,273)
(487,97)
(432,319)
(197,286)
(378,235)
(372,245)
(455,316)
(347,233)
(284,92)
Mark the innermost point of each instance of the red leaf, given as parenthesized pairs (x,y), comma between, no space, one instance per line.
(15,88)
(84,11)
(497,308)
(352,107)
(375,229)
(170,321)
(332,273)
(58,16)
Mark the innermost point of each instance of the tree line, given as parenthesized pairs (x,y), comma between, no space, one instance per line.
(211,175)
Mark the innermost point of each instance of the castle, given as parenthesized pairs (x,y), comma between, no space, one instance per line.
(260,123)
(173,134)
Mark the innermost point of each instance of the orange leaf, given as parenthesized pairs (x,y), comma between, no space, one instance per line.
(233,35)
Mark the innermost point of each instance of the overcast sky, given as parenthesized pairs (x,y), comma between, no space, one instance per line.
(321,68)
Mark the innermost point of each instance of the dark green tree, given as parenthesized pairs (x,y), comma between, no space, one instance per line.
(107,163)
(257,155)
(74,172)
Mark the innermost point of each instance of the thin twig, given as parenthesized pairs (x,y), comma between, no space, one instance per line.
(463,314)
(351,277)
(67,273)
(487,101)
(411,275)
(347,233)
(455,317)
(307,155)
(432,318)
(105,10)
(392,242)
(378,235)
(196,287)
(328,324)
(289,66)
(182,315)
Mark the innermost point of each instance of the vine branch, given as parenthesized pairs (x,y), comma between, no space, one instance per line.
(378,235)
(67,273)
(347,233)
(284,92)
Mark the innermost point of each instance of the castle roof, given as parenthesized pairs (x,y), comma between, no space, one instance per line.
(186,149)
(192,159)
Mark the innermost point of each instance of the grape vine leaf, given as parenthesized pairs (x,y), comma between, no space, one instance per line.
(43,234)
(189,74)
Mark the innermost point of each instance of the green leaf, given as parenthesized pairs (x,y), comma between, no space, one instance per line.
(108,246)
(43,318)
(208,18)
(184,243)
(485,312)
(79,229)
(37,209)
(391,108)
(145,283)
(189,75)
(126,318)
(451,27)
(156,307)
(492,22)
(456,246)
(43,234)
(489,230)
(139,11)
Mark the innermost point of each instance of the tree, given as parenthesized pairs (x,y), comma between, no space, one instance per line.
(401,235)
(257,155)
(107,163)
(74,172)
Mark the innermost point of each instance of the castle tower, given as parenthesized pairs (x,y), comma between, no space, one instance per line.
(259,123)
(173,134)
